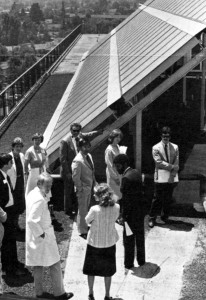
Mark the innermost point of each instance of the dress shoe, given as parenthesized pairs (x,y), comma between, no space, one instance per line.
(64,296)
(151,223)
(91,297)
(108,298)
(129,266)
(83,235)
(164,219)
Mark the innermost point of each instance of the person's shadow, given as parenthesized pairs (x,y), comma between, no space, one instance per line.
(176,225)
(17,281)
(148,270)
(57,225)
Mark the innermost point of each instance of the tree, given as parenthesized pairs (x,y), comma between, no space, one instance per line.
(10,29)
(22,58)
(3,53)
(36,13)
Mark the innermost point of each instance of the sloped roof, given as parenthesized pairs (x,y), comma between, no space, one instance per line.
(191,9)
(129,58)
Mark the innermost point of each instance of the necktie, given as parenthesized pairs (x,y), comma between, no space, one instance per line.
(166,152)
(89,161)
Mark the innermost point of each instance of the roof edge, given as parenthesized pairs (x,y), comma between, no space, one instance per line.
(54,120)
(189,26)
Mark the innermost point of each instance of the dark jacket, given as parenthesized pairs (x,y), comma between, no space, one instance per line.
(67,151)
(132,199)
(4,191)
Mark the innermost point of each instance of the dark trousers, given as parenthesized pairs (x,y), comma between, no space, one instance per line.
(136,239)
(70,199)
(162,199)
(9,249)
(19,200)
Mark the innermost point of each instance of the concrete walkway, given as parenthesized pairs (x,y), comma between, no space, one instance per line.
(168,249)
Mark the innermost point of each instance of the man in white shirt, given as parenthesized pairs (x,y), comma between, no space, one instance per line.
(41,246)
(166,158)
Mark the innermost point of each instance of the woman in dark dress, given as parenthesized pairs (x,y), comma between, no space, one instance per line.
(100,259)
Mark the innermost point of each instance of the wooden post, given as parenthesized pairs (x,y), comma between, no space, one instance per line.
(138,152)
(187,57)
(202,108)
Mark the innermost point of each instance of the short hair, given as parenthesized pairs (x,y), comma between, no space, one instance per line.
(38,136)
(166,130)
(104,195)
(121,159)
(77,125)
(83,141)
(44,177)
(17,141)
(4,159)
(113,135)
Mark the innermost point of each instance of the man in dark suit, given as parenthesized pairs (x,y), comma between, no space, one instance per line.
(166,158)
(132,211)
(10,262)
(68,151)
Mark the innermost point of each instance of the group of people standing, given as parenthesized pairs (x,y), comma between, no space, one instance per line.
(14,176)
(119,200)
(124,195)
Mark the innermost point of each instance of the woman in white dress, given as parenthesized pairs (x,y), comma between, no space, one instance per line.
(35,162)
(113,177)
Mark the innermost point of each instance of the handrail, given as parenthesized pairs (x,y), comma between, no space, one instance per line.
(13,93)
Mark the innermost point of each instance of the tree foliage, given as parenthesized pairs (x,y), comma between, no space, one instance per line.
(22,58)
(3,53)
(36,13)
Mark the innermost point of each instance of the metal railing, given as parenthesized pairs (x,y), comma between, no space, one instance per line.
(13,93)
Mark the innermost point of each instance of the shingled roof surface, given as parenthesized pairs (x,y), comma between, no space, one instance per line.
(126,57)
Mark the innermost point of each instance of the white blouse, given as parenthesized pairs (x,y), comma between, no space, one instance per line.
(102,233)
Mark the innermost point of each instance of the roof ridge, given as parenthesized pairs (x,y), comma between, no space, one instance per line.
(175,20)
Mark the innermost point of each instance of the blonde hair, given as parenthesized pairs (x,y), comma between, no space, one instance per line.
(104,195)
(44,177)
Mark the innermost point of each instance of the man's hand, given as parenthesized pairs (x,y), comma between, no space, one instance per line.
(100,131)
(117,181)
(175,168)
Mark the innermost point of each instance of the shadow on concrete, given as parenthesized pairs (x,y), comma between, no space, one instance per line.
(17,281)
(57,225)
(185,210)
(148,270)
(176,225)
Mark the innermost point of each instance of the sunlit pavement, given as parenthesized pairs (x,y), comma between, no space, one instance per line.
(169,247)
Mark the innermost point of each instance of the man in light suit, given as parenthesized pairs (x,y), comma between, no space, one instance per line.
(84,181)
(16,174)
(166,158)
(68,151)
